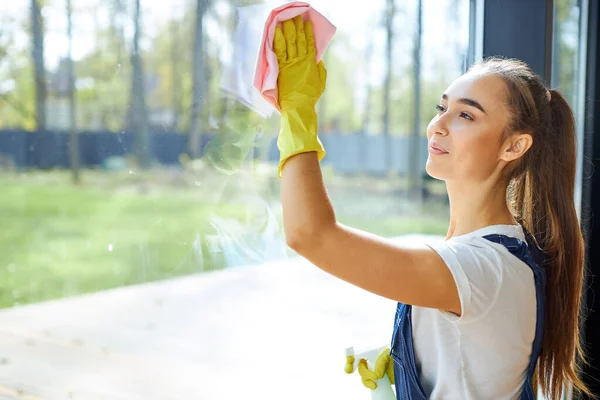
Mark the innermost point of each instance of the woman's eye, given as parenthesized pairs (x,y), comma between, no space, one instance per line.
(441,108)
(466,116)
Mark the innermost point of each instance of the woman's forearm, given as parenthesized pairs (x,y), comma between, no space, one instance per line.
(307,209)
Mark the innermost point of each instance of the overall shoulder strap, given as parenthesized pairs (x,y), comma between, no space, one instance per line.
(530,254)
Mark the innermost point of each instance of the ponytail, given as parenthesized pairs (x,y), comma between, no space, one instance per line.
(541,194)
(544,202)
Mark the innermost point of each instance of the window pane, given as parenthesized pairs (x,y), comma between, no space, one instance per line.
(568,66)
(142,250)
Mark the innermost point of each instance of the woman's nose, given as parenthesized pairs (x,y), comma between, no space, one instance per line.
(442,131)
(438,127)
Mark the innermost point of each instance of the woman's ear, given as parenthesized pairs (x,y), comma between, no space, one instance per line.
(515,146)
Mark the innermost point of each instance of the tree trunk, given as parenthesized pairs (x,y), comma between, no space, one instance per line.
(389,25)
(117,28)
(199,83)
(37,33)
(175,79)
(415,151)
(455,18)
(139,118)
(73,135)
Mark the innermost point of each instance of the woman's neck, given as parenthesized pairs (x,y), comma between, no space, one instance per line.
(475,206)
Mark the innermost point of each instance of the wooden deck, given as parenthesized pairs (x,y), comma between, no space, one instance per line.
(273,331)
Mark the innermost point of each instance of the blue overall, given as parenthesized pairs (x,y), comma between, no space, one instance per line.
(406,374)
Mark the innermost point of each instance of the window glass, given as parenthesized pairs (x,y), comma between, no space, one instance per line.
(568,66)
(140,208)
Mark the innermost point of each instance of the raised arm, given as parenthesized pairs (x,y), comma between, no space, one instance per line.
(412,275)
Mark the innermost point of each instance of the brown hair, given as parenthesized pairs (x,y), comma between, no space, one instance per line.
(541,196)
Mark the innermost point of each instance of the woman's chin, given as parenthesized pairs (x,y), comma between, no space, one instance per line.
(435,171)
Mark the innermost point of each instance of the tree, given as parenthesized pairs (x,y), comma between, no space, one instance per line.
(176,89)
(453,12)
(139,115)
(37,35)
(6,39)
(17,92)
(390,13)
(199,84)
(106,104)
(117,27)
(73,135)
(414,153)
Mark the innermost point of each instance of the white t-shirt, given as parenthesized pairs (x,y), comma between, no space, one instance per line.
(484,354)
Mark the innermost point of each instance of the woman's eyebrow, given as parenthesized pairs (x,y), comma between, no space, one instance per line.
(468,102)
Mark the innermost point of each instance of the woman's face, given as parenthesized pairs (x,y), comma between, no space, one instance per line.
(465,137)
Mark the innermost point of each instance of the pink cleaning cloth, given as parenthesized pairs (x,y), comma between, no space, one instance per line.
(267,68)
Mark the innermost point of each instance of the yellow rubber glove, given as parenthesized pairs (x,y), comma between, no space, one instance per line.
(300,84)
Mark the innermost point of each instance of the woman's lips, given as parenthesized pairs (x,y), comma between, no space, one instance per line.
(436,149)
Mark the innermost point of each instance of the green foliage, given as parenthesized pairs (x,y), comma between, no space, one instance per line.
(17,89)
(17,107)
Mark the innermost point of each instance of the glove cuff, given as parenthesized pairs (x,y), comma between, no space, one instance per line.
(298,134)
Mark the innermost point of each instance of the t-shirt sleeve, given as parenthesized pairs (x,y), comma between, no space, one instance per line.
(476,268)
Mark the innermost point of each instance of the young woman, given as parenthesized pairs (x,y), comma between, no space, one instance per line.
(480,310)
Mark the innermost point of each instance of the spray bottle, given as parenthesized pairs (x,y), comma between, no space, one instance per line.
(376,369)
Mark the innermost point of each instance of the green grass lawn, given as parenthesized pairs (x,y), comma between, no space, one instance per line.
(59,240)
